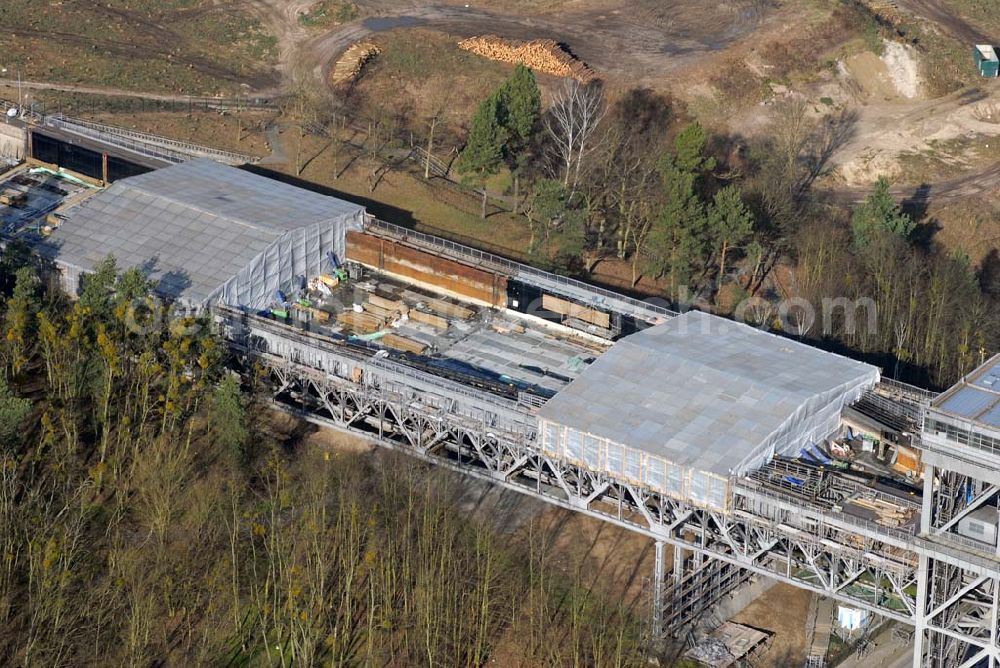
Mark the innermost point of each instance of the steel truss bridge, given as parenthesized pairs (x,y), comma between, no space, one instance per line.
(945,586)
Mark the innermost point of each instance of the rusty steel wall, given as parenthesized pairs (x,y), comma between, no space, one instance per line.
(422,267)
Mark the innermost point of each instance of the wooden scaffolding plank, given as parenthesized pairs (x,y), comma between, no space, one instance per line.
(434,321)
(448,309)
(397,342)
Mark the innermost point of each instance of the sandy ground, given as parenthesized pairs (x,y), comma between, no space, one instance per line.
(782,610)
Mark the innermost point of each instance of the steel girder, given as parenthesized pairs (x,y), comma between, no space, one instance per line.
(957,622)
(954,609)
(828,560)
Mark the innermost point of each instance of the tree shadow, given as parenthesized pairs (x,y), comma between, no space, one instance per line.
(378,209)
(989,274)
(915,205)
(831,135)
(169,284)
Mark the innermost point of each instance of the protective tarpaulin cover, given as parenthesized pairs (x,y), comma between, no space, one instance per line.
(698,399)
(206,231)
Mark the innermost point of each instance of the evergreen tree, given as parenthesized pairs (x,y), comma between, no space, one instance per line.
(229,420)
(19,320)
(484,150)
(730,223)
(14,256)
(13,412)
(879,214)
(521,102)
(679,237)
(98,288)
(689,150)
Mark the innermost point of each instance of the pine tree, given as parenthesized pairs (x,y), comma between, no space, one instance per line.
(679,237)
(229,420)
(879,214)
(484,151)
(730,223)
(19,320)
(98,288)
(521,105)
(13,412)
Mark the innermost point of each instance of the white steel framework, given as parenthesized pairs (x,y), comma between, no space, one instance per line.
(949,593)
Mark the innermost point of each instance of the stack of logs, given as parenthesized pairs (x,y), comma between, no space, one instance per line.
(350,64)
(544,56)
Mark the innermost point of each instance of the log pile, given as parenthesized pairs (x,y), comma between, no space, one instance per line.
(349,65)
(887,10)
(544,56)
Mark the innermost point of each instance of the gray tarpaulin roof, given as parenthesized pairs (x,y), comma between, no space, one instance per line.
(708,393)
(977,397)
(193,226)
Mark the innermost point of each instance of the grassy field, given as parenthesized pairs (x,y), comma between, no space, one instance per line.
(981,14)
(420,73)
(184,46)
(329,13)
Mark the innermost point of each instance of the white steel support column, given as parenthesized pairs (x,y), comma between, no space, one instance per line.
(923,571)
(659,581)
(678,565)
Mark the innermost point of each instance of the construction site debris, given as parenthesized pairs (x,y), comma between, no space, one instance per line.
(329,281)
(546,56)
(350,64)
(13,198)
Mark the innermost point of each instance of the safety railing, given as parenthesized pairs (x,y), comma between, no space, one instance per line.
(164,148)
(394,371)
(593,294)
(751,490)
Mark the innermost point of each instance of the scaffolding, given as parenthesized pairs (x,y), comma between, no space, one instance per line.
(923,575)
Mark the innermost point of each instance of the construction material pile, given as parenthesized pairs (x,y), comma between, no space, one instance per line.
(544,56)
(351,62)
(887,10)
(886,513)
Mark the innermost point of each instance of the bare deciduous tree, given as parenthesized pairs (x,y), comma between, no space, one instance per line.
(571,124)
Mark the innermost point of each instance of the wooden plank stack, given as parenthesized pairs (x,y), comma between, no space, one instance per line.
(396,305)
(448,309)
(435,321)
(361,323)
(545,56)
(384,314)
(571,310)
(397,342)
(888,513)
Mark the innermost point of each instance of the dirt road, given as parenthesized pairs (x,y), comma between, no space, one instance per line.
(638,44)
(106,91)
(962,187)
(944,18)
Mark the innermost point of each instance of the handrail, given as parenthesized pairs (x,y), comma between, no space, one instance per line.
(389,366)
(906,388)
(169,149)
(748,487)
(517,269)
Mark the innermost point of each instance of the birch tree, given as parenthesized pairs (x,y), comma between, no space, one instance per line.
(571,124)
